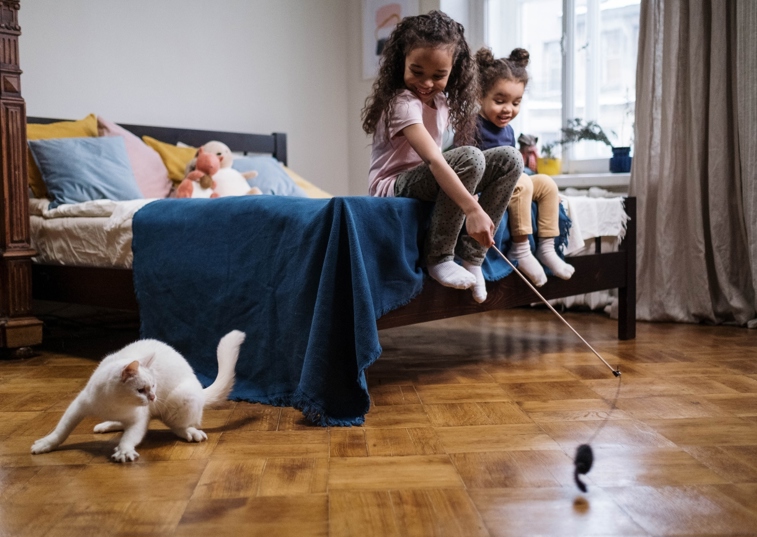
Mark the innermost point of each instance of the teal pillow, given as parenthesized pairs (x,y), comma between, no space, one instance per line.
(272,178)
(84,169)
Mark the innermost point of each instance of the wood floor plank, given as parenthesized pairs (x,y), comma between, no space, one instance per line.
(385,473)
(383,395)
(224,479)
(266,516)
(165,481)
(480,413)
(362,513)
(694,510)
(495,438)
(241,445)
(402,442)
(293,476)
(461,393)
(625,467)
(402,416)
(437,512)
(707,431)
(514,469)
(347,442)
(552,512)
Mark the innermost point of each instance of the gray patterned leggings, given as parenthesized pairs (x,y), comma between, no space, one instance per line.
(492,173)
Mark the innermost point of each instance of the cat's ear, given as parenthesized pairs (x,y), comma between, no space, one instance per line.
(129,371)
(149,360)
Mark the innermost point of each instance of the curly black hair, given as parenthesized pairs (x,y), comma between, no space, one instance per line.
(433,29)
(491,69)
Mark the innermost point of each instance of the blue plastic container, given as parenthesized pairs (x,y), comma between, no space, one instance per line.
(621,160)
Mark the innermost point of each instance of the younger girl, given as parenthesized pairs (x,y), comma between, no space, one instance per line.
(503,82)
(426,81)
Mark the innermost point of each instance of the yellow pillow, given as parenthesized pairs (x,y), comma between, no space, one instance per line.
(174,157)
(310,189)
(83,128)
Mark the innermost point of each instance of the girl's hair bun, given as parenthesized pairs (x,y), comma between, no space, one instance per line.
(484,57)
(519,57)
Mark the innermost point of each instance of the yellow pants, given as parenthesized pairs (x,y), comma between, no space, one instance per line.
(543,190)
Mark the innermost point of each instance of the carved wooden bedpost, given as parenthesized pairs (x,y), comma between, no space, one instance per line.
(18,329)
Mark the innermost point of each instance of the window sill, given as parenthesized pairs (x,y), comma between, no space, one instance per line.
(610,181)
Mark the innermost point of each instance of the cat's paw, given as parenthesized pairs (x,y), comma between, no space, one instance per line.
(44,445)
(194,435)
(108,427)
(124,454)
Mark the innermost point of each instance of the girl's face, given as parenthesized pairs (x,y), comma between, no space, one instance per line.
(427,71)
(502,102)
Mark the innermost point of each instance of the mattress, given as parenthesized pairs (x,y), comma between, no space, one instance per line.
(91,234)
(98,234)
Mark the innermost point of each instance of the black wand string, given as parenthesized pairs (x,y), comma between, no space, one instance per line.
(584,455)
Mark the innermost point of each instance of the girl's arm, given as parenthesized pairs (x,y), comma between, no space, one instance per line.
(477,222)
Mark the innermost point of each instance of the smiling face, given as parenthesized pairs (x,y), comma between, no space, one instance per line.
(501,103)
(427,71)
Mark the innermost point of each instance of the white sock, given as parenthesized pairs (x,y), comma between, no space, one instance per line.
(546,253)
(450,274)
(527,263)
(479,288)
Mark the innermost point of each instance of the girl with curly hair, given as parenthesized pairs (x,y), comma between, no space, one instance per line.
(428,81)
(502,82)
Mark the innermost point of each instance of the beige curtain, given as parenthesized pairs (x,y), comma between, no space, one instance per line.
(695,161)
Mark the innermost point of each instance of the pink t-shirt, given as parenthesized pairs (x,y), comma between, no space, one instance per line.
(393,155)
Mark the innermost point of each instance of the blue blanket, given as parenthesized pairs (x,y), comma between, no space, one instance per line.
(305,279)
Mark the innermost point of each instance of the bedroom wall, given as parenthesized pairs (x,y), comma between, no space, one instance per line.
(240,65)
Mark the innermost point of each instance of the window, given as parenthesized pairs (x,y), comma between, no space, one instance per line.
(597,43)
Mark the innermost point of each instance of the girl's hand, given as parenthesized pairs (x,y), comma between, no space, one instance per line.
(480,227)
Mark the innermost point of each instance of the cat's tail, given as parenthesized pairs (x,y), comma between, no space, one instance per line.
(228,352)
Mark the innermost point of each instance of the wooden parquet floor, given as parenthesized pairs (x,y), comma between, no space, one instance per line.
(472,432)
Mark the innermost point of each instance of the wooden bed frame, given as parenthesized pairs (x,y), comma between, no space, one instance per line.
(21,280)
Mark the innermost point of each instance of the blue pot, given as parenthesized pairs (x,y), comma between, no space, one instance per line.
(621,160)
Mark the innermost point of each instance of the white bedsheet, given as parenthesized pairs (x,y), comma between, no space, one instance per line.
(90,234)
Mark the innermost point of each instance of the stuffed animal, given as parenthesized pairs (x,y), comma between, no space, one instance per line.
(213,163)
(527,148)
(199,182)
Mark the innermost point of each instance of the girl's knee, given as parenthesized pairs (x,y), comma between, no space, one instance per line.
(474,156)
(472,160)
(544,183)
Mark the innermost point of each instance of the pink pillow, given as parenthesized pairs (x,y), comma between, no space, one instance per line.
(149,171)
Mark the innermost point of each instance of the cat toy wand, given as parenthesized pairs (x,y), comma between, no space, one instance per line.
(584,455)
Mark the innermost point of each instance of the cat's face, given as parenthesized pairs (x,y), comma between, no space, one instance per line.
(138,384)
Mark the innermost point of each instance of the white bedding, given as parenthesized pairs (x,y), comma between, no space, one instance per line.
(98,234)
(90,234)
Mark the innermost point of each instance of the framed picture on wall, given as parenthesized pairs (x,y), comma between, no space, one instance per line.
(379,19)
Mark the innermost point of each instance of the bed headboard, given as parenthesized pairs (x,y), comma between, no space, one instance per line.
(274,144)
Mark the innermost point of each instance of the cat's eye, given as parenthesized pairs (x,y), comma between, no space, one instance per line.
(142,390)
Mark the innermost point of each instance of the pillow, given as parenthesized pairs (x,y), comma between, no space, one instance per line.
(85,169)
(86,127)
(271,179)
(149,171)
(175,158)
(310,189)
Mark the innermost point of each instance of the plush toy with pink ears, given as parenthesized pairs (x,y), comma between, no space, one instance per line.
(199,183)
(210,175)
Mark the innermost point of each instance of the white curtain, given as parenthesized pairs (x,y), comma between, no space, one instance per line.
(695,161)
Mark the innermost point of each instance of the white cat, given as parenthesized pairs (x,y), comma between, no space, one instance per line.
(147,379)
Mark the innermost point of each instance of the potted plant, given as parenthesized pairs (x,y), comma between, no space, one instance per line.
(577,131)
(549,163)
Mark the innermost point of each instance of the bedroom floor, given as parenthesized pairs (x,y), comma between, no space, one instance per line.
(473,429)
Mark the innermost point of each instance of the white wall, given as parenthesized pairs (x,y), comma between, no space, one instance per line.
(239,65)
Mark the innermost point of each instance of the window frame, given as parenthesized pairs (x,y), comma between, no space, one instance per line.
(570,164)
